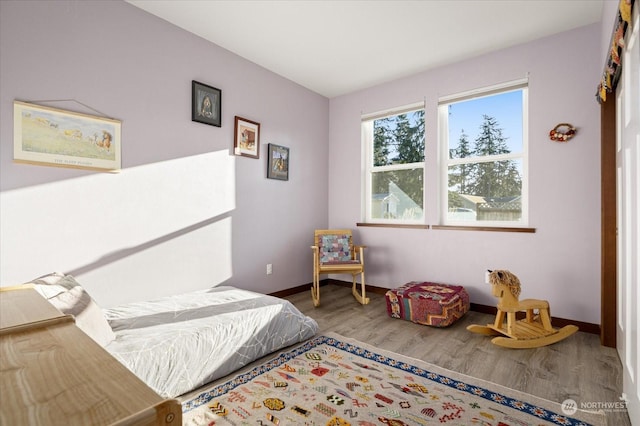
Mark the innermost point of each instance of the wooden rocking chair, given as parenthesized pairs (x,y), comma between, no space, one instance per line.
(334,253)
(533,331)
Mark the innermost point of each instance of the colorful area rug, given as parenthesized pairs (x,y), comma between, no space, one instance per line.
(332,380)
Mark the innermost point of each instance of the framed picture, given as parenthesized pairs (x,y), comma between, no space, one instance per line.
(247,138)
(278,163)
(206,104)
(55,137)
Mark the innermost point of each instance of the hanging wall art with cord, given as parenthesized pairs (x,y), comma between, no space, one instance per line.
(56,137)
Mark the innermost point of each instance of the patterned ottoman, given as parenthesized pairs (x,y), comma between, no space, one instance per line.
(428,303)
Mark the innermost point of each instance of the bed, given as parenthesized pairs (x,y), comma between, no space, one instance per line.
(178,343)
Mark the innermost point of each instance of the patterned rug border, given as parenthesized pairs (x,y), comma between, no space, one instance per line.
(539,408)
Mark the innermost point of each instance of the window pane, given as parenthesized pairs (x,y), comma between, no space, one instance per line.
(397,194)
(399,139)
(487,191)
(486,126)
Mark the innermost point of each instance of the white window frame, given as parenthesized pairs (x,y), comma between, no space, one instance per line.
(368,168)
(446,162)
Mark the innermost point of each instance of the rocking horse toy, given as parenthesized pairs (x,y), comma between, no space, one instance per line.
(533,331)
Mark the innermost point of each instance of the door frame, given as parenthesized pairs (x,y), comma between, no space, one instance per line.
(609,225)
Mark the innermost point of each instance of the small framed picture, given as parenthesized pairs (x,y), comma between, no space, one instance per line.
(247,138)
(278,164)
(206,104)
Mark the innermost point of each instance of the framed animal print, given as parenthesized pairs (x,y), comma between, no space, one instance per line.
(278,163)
(206,104)
(56,137)
(246,141)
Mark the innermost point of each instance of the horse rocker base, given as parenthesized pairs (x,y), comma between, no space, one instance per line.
(533,331)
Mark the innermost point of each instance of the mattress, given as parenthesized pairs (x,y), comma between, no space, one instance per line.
(178,343)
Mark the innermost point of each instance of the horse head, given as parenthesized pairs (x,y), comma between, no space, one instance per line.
(504,284)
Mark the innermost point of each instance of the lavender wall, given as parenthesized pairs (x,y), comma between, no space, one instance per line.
(183,213)
(561,261)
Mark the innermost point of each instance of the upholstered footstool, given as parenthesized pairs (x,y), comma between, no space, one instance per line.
(434,304)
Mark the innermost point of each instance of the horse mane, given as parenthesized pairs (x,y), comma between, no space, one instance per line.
(504,277)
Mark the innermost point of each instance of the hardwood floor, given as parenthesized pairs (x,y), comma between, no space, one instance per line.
(577,367)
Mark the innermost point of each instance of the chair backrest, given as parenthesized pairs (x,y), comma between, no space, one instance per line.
(334,245)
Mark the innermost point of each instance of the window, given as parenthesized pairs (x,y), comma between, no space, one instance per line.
(393,142)
(483,141)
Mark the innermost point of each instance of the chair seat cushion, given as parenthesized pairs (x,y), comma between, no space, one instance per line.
(428,303)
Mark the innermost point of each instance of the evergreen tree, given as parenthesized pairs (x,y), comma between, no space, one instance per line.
(399,140)
(493,179)
(409,139)
(460,174)
(511,181)
(408,136)
(381,141)
(381,153)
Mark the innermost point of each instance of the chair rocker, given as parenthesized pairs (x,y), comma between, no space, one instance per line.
(533,331)
(334,253)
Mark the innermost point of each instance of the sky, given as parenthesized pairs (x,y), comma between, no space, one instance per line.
(506,108)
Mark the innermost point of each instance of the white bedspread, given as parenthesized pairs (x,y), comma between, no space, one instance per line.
(178,343)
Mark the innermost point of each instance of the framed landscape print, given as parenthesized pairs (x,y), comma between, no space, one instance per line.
(246,141)
(278,163)
(55,137)
(206,104)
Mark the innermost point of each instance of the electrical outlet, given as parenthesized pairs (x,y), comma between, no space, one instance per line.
(269,269)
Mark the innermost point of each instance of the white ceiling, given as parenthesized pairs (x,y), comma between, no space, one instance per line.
(336,47)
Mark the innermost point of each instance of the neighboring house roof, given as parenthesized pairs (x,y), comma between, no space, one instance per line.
(498,203)
(475,199)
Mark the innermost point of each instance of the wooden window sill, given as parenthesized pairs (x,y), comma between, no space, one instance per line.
(448,227)
(484,228)
(393,225)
